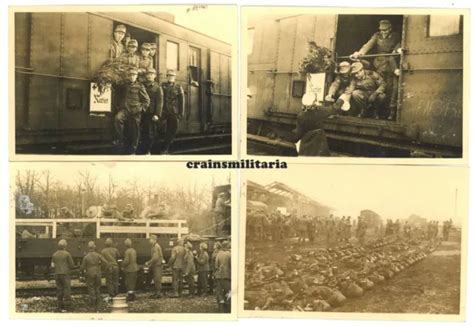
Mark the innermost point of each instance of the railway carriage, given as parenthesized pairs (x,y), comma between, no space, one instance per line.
(429,116)
(57,54)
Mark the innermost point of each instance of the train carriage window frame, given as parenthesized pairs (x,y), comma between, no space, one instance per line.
(172,54)
(430,21)
(298,88)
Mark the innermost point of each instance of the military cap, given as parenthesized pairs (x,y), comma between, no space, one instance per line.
(153,237)
(146,46)
(384,24)
(203,245)
(188,245)
(356,67)
(62,243)
(153,45)
(344,67)
(91,245)
(132,70)
(170,72)
(109,242)
(128,242)
(120,28)
(218,245)
(151,70)
(132,42)
(226,245)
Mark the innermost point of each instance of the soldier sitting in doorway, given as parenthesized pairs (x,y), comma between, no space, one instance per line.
(145,62)
(116,46)
(130,57)
(385,41)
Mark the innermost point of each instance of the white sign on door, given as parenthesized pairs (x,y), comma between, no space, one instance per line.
(100,102)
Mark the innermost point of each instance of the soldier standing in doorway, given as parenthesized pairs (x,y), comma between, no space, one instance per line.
(116,46)
(173,107)
(130,57)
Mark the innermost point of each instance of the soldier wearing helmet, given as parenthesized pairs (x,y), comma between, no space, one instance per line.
(223,276)
(177,263)
(130,57)
(130,269)
(156,264)
(383,42)
(92,268)
(367,91)
(62,264)
(111,254)
(116,46)
(151,116)
(173,107)
(203,270)
(135,101)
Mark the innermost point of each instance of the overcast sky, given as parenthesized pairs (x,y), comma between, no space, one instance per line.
(393,192)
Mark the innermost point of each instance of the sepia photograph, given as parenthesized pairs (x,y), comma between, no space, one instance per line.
(354,242)
(385,83)
(101,239)
(122,80)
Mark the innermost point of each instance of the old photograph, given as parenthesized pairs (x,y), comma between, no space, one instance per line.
(385,83)
(354,242)
(153,80)
(103,239)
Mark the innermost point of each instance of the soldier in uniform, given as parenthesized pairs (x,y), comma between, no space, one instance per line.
(92,267)
(130,268)
(145,61)
(384,42)
(367,90)
(203,270)
(128,213)
(223,277)
(212,266)
(340,83)
(152,52)
(111,254)
(116,46)
(130,57)
(62,264)
(173,107)
(156,264)
(152,115)
(189,269)
(177,264)
(136,100)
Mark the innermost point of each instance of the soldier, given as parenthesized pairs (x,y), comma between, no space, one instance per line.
(116,46)
(223,277)
(152,52)
(203,270)
(62,264)
(136,100)
(173,107)
(212,266)
(384,42)
(189,269)
(111,254)
(219,211)
(367,90)
(130,268)
(130,57)
(92,268)
(145,61)
(177,264)
(156,264)
(341,83)
(152,115)
(128,213)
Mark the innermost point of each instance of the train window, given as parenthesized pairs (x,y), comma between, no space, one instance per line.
(444,25)
(172,55)
(194,75)
(74,99)
(298,89)
(250,35)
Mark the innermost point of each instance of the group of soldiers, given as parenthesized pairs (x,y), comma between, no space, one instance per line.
(432,229)
(213,271)
(142,103)
(369,90)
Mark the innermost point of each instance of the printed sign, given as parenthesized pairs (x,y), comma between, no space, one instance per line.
(315,84)
(100,99)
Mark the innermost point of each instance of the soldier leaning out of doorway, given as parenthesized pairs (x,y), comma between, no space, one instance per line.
(385,41)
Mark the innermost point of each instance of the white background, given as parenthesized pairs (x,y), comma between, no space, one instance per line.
(4,198)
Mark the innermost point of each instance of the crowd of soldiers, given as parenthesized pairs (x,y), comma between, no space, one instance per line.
(432,229)
(213,271)
(142,103)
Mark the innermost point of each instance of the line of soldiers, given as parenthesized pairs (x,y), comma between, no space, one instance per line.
(432,229)
(368,91)
(184,264)
(142,102)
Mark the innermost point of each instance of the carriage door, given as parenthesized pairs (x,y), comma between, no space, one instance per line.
(194,94)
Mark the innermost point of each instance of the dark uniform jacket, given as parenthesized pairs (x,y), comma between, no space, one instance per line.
(203,261)
(155,92)
(63,262)
(111,255)
(223,265)
(381,45)
(189,267)
(156,256)
(129,263)
(136,98)
(173,101)
(370,83)
(177,257)
(92,263)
